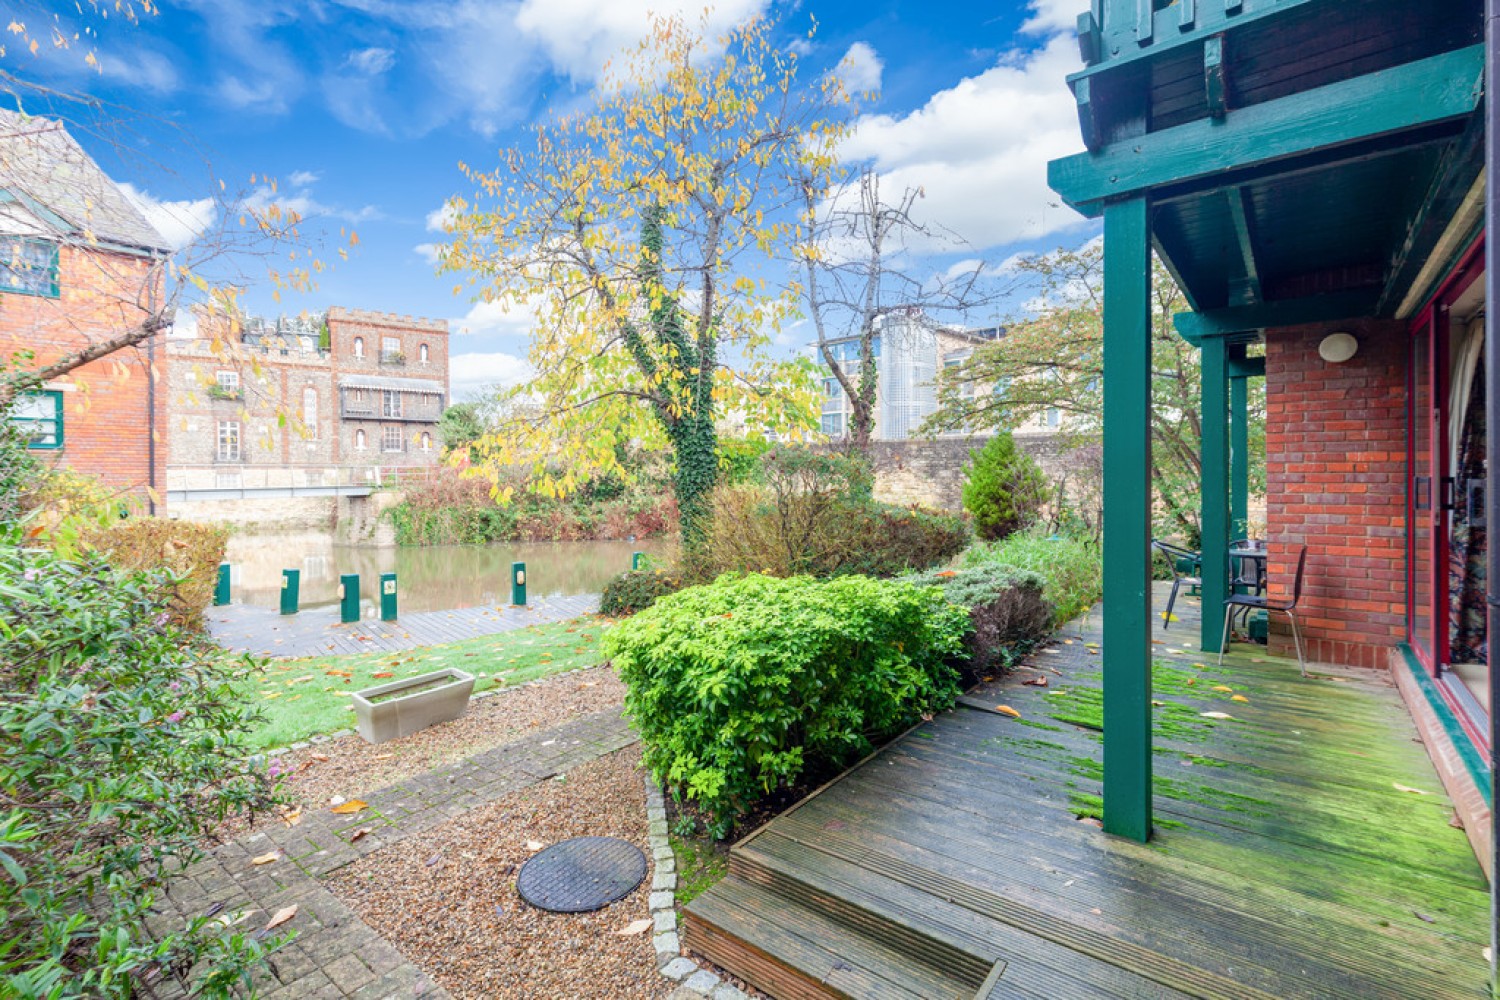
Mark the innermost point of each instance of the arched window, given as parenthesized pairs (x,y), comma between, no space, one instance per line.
(426,442)
(359,440)
(359,347)
(422,354)
(310,411)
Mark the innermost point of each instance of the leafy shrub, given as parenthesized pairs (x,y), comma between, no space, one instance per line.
(1008,613)
(636,590)
(1005,489)
(191,551)
(739,686)
(120,752)
(1071,567)
(739,460)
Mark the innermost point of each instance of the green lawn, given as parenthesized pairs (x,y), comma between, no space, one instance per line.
(302,698)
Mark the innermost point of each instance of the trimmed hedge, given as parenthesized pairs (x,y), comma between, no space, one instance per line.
(191,551)
(739,686)
(636,590)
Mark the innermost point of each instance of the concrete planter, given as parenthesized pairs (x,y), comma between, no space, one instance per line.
(384,713)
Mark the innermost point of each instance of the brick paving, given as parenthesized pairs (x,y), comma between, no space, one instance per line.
(334,953)
(244,628)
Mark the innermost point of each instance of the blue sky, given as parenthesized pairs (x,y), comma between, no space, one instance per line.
(362,109)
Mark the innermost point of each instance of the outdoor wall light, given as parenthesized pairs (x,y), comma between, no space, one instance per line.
(1336,348)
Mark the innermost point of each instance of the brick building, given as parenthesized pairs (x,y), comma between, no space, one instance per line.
(79,266)
(304,403)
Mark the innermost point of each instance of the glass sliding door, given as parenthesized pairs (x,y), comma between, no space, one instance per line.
(1422,499)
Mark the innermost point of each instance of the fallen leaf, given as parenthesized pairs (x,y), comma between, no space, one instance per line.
(383,673)
(323,757)
(282,916)
(1486,953)
(1007,710)
(534,845)
(1223,687)
(1216,715)
(1406,788)
(291,816)
(1423,917)
(1157,704)
(1040,682)
(1239,697)
(266,859)
(634,927)
(363,831)
(435,859)
(352,806)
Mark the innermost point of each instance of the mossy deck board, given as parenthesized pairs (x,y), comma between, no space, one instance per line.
(1289,858)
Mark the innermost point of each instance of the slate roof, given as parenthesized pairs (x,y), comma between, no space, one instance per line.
(43,168)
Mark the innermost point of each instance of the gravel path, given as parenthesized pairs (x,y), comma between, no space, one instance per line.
(447,897)
(350,767)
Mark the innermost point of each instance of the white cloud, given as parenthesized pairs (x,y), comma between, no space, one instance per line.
(497,318)
(1049,16)
(184,324)
(371,61)
(580,36)
(260,95)
(306,206)
(181,222)
(861,69)
(470,373)
(979,149)
(428,252)
(303,178)
(440,218)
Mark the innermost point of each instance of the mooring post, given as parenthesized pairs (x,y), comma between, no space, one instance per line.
(221,587)
(636,558)
(518,584)
(291,583)
(349,598)
(388,597)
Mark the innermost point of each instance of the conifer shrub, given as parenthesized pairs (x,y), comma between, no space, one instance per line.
(1005,490)
(1008,613)
(740,686)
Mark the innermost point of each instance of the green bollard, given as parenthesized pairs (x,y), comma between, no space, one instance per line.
(518,584)
(221,588)
(636,558)
(388,597)
(349,598)
(291,583)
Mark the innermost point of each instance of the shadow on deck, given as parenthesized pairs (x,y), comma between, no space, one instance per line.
(1302,848)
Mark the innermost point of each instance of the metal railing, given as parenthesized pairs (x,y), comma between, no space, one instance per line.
(230,480)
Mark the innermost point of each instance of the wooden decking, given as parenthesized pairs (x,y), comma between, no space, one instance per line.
(1303,848)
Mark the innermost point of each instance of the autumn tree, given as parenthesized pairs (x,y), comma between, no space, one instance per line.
(1052,359)
(857,268)
(646,235)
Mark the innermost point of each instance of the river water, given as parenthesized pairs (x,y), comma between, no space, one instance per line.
(429,578)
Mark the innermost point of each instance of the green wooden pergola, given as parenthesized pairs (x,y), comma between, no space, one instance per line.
(1291,162)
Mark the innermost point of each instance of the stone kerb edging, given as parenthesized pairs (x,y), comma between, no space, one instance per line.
(675,966)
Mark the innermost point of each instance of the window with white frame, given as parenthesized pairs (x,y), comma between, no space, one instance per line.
(390,403)
(391,439)
(38,416)
(359,440)
(229,440)
(390,348)
(228,381)
(833,424)
(310,411)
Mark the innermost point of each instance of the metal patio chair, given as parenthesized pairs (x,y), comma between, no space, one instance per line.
(1251,602)
(1175,556)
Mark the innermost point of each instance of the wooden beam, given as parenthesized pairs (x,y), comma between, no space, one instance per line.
(1088,118)
(1239,454)
(1127,519)
(1213,520)
(1247,367)
(1215,76)
(1390,101)
(1232,321)
(1145,12)
(1240,216)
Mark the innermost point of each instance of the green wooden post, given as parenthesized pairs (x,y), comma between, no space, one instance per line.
(291,584)
(1214,489)
(1127,519)
(349,598)
(518,583)
(1239,457)
(221,586)
(388,597)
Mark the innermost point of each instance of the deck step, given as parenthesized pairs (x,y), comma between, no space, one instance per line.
(796,952)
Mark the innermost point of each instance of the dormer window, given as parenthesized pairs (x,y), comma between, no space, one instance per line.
(28,266)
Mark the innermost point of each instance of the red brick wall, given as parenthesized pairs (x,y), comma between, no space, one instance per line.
(106,430)
(1336,475)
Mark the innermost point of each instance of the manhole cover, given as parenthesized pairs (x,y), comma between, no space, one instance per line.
(582,874)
